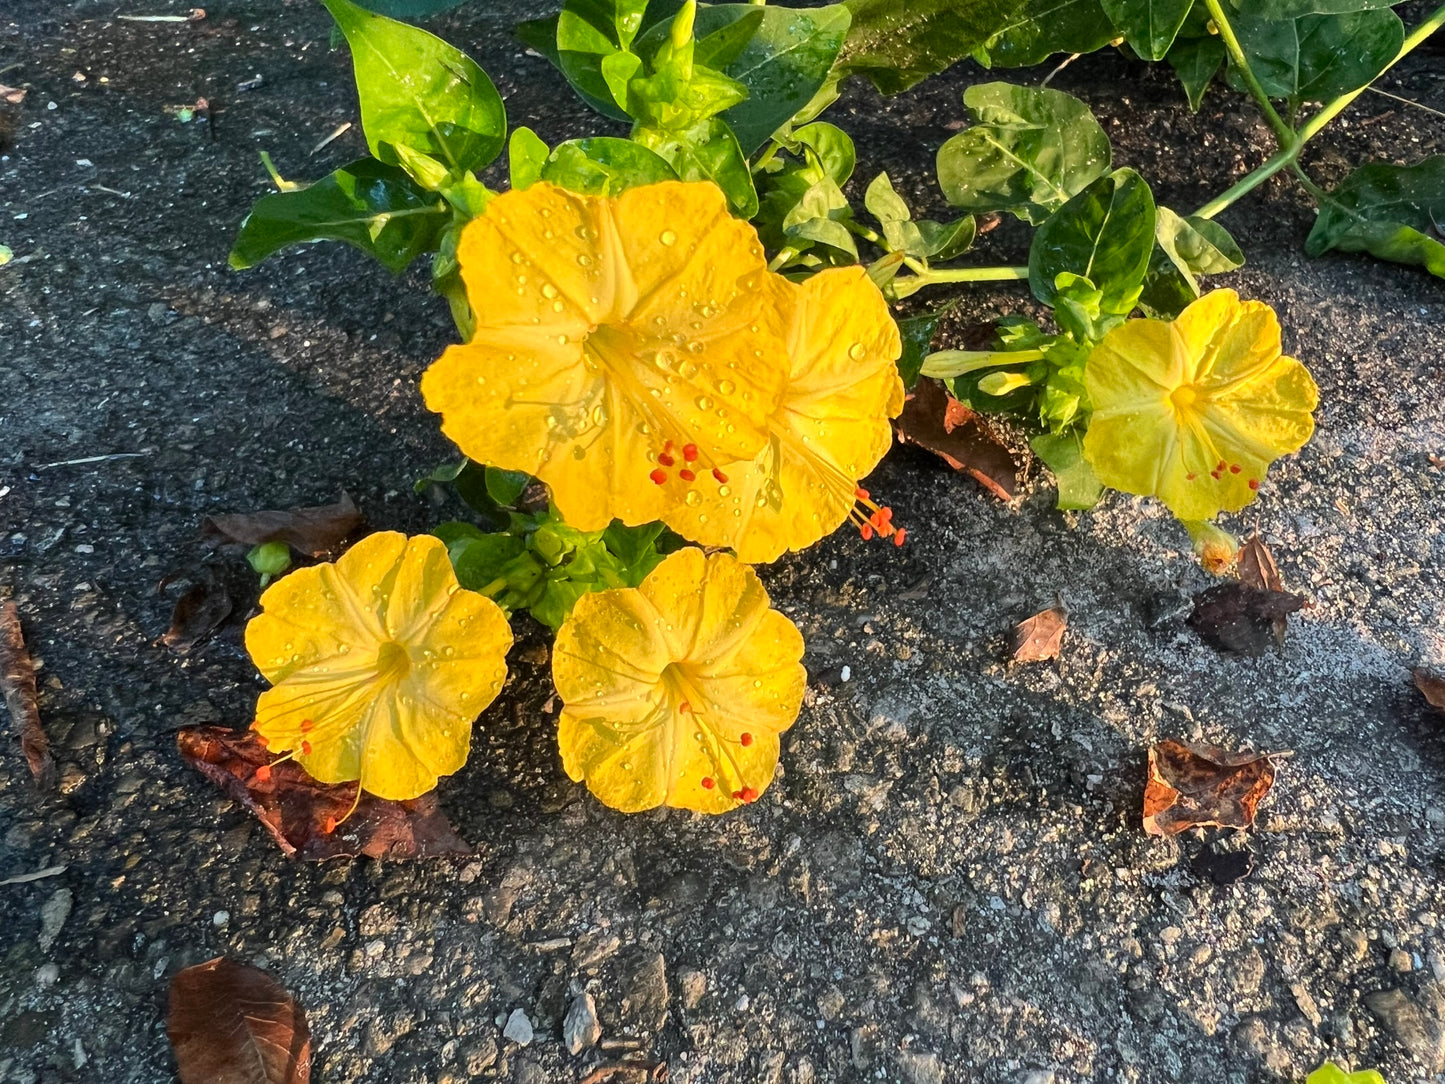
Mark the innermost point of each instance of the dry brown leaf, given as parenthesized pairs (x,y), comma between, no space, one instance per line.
(12,95)
(17,682)
(1433,686)
(935,420)
(1196,786)
(295,808)
(1237,617)
(1256,566)
(316,531)
(199,610)
(230,1023)
(1041,636)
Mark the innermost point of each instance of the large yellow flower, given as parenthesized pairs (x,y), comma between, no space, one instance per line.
(623,347)
(675,692)
(829,430)
(379,664)
(1193,411)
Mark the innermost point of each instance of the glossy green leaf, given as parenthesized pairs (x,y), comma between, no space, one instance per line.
(408,9)
(1196,61)
(1293,9)
(820,215)
(1185,248)
(896,43)
(589,35)
(374,206)
(506,486)
(1063,454)
(1317,57)
(917,334)
(1029,151)
(479,558)
(526,156)
(1150,26)
(1037,29)
(604,166)
(708,152)
(1393,212)
(540,35)
(922,239)
(419,93)
(1104,234)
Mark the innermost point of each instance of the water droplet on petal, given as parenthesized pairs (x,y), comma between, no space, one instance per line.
(668,237)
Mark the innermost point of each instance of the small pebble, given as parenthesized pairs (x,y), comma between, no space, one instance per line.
(519,1028)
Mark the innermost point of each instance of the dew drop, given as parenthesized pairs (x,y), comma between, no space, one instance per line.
(856,351)
(693,498)
(726,387)
(549,291)
(584,260)
(724,491)
(668,237)
(704,403)
(517,257)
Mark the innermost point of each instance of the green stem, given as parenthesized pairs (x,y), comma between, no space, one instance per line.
(1290,153)
(1283,132)
(782,258)
(910,285)
(1313,189)
(863,231)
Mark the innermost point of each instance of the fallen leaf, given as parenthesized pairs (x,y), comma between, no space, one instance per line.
(1237,617)
(315,531)
(1196,786)
(199,610)
(295,808)
(11,95)
(230,1023)
(935,420)
(17,682)
(1433,686)
(1040,637)
(1257,567)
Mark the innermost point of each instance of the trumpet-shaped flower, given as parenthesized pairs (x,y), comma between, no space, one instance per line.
(624,348)
(675,692)
(1193,411)
(379,663)
(829,430)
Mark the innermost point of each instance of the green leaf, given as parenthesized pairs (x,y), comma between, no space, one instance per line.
(1185,248)
(1293,9)
(419,95)
(506,486)
(1104,234)
(819,216)
(1029,151)
(921,239)
(526,156)
(1149,26)
(588,33)
(604,166)
(479,558)
(1393,212)
(1317,57)
(1063,454)
(408,9)
(1037,29)
(1196,61)
(708,151)
(373,206)
(917,333)
(896,43)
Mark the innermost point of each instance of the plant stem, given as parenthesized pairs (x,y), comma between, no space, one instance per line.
(1290,153)
(1283,132)
(783,257)
(910,285)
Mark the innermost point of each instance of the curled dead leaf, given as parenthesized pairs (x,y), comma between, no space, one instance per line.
(295,808)
(1198,786)
(317,530)
(17,683)
(1241,618)
(230,1023)
(199,610)
(1040,637)
(1256,566)
(935,420)
(1433,686)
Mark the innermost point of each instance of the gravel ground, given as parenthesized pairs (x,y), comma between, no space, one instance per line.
(948,881)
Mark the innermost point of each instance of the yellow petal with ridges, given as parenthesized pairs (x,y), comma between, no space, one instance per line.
(675,692)
(379,664)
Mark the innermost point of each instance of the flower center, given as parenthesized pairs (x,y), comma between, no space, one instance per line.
(392,662)
(1184,397)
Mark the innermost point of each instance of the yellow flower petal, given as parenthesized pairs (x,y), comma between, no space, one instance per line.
(830,429)
(675,692)
(607,331)
(1193,411)
(379,664)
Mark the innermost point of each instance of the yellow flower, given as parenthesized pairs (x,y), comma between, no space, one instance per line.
(675,692)
(616,339)
(1194,411)
(830,429)
(379,664)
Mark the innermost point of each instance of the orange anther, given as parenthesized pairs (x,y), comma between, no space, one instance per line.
(306,748)
(689,452)
(708,783)
(306,724)
(666,460)
(667,447)
(900,536)
(329,826)
(1190,476)
(263,773)
(745,738)
(722,479)
(1235,468)
(1254,483)
(747,794)
(658,476)
(687,475)
(684,708)
(860,493)
(866,530)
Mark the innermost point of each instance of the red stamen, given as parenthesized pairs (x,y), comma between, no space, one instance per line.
(1254,483)
(689,452)
(860,493)
(263,773)
(684,708)
(1215,475)
(306,748)
(1222,465)
(722,479)
(900,536)
(1190,476)
(1235,468)
(737,795)
(866,530)
(708,783)
(745,738)
(306,724)
(687,475)
(658,476)
(666,460)
(748,794)
(329,826)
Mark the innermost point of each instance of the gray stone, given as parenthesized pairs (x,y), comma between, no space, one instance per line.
(53,914)
(1416,1022)
(518,1028)
(580,1028)
(920,1067)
